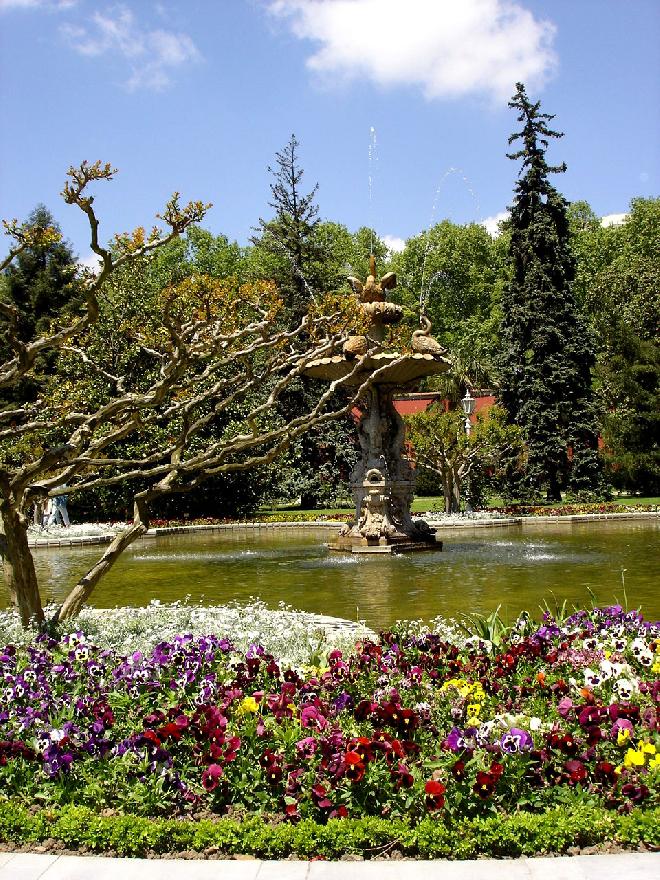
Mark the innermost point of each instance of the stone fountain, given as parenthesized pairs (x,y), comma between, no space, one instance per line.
(383,480)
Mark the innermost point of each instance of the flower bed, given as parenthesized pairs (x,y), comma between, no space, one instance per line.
(412,729)
(571,509)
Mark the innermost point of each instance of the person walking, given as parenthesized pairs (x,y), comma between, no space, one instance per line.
(59,511)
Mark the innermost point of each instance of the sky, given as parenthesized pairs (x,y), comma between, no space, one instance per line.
(400,108)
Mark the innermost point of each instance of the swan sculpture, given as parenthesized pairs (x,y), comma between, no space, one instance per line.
(423,342)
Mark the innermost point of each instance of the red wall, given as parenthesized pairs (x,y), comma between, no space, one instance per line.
(409,404)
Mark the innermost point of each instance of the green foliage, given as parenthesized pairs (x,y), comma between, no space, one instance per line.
(455,274)
(464,464)
(546,353)
(507,835)
(41,283)
(317,466)
(619,276)
(488,627)
(288,239)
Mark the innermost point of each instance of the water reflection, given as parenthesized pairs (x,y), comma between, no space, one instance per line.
(478,570)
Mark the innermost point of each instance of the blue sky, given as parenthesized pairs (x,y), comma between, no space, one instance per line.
(198,96)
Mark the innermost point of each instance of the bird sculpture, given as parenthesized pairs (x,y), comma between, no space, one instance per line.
(355,347)
(423,342)
(372,290)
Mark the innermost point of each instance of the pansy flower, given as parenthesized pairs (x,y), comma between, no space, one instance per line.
(211,776)
(516,740)
(354,766)
(484,785)
(576,771)
(435,795)
(402,777)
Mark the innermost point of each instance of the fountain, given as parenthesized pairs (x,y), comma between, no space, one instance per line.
(383,479)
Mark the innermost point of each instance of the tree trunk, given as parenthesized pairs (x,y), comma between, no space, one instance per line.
(448,490)
(554,491)
(309,501)
(85,586)
(457,497)
(18,564)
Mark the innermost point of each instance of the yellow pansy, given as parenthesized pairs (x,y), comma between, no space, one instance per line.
(634,758)
(649,748)
(249,704)
(623,736)
(654,763)
(473,709)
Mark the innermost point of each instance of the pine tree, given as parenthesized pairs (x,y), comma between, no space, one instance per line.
(546,351)
(317,467)
(289,236)
(41,284)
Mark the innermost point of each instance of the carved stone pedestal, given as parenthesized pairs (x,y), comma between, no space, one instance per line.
(383,485)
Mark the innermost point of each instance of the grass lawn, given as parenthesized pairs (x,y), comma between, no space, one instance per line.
(422,504)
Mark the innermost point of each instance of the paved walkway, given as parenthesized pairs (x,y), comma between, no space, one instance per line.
(629,866)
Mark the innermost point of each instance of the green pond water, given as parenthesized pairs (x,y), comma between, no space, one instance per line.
(479,569)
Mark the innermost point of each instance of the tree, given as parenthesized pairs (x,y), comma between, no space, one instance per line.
(455,274)
(289,236)
(40,283)
(546,351)
(620,277)
(441,445)
(136,393)
(303,257)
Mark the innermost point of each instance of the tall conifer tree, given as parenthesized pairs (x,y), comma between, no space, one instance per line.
(546,351)
(41,284)
(289,236)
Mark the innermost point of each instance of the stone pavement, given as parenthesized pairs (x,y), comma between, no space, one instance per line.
(629,866)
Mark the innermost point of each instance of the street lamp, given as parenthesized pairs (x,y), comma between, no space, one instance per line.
(468,404)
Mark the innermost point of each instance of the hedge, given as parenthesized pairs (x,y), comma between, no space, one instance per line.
(555,831)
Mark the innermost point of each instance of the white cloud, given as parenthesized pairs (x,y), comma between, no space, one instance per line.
(613,219)
(92,262)
(448,49)
(394,243)
(492,224)
(151,54)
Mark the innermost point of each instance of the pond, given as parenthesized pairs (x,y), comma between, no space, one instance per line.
(479,569)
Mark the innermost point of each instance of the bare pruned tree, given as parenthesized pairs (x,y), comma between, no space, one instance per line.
(195,393)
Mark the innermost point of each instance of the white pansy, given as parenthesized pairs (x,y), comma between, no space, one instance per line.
(625,688)
(646,657)
(591,678)
(638,647)
(606,669)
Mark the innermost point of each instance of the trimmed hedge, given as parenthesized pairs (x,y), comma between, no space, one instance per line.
(507,835)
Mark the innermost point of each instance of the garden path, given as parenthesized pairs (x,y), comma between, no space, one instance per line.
(33,866)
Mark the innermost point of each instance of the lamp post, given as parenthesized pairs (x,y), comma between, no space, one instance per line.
(468,404)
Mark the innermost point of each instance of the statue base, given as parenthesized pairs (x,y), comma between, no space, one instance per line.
(357,544)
